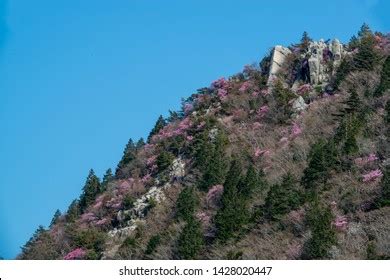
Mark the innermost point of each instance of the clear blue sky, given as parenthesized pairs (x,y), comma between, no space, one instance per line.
(79,78)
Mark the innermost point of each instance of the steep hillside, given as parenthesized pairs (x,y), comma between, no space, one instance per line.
(288,159)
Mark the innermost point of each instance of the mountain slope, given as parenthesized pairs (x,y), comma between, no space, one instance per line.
(285,160)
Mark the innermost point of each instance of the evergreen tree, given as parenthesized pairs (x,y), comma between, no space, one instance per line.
(203,150)
(305,42)
(164,160)
(216,167)
(186,204)
(353,103)
(90,190)
(153,243)
(233,214)
(385,78)
(367,57)
(387,113)
(108,176)
(128,156)
(345,67)
(323,235)
(160,123)
(282,198)
(140,143)
(385,184)
(55,218)
(190,240)
(320,161)
(250,183)
(73,211)
(364,31)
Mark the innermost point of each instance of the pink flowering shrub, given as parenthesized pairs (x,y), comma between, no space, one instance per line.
(261,153)
(340,222)
(173,129)
(245,86)
(294,251)
(255,93)
(214,195)
(188,108)
(146,179)
(296,130)
(257,125)
(189,138)
(222,94)
(362,161)
(262,111)
(204,218)
(220,83)
(304,89)
(264,92)
(372,175)
(77,254)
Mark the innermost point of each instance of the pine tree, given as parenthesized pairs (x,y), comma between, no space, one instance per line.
(385,78)
(305,42)
(108,176)
(367,57)
(203,150)
(216,167)
(128,156)
(186,204)
(385,184)
(55,218)
(160,123)
(318,168)
(190,240)
(90,190)
(233,214)
(74,211)
(364,31)
(387,113)
(353,103)
(282,198)
(250,183)
(164,160)
(323,235)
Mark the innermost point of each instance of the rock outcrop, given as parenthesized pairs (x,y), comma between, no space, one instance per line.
(279,55)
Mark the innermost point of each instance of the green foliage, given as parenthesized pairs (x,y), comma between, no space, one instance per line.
(91,239)
(203,150)
(367,57)
(282,198)
(128,201)
(305,42)
(129,154)
(160,123)
(250,183)
(385,78)
(233,214)
(74,211)
(55,218)
(108,176)
(385,185)
(342,71)
(186,204)
(41,246)
(322,158)
(90,190)
(164,160)
(234,255)
(190,240)
(153,243)
(127,248)
(216,166)
(323,236)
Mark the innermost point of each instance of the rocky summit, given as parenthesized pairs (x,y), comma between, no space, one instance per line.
(287,159)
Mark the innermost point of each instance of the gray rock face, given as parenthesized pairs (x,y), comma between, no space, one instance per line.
(299,104)
(279,55)
(322,59)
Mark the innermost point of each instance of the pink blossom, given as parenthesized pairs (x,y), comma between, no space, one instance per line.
(255,93)
(152,160)
(257,125)
(214,195)
(220,83)
(263,110)
(188,108)
(222,94)
(245,86)
(340,222)
(88,217)
(102,222)
(362,161)
(295,130)
(189,138)
(264,92)
(263,153)
(204,218)
(146,178)
(304,89)
(77,254)
(372,175)
(201,125)
(97,205)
